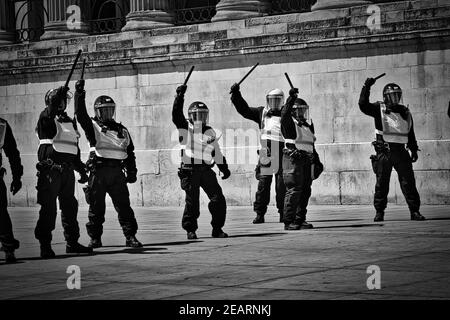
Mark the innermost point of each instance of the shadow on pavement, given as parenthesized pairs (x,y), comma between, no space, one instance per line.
(98,253)
(256,235)
(350,226)
(175,243)
(335,220)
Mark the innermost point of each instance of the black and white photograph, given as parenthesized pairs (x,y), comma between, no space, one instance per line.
(224,159)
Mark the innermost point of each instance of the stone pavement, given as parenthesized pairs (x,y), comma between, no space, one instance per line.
(256,262)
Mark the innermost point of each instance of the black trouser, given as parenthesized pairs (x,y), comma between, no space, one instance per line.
(204,177)
(262,196)
(109,180)
(53,184)
(297,178)
(398,158)
(6,232)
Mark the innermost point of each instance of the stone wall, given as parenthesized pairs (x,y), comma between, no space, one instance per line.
(328,55)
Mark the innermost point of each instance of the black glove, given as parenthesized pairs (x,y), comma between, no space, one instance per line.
(234,88)
(293,93)
(414,156)
(16,185)
(369,82)
(83,177)
(79,86)
(131,178)
(226,174)
(181,90)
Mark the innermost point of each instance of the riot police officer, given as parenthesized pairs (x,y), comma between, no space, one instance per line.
(271,151)
(200,150)
(301,164)
(59,156)
(111,153)
(394,129)
(8,145)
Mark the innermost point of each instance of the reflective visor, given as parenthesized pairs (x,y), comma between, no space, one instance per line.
(300,112)
(275,102)
(393,97)
(199,116)
(105,112)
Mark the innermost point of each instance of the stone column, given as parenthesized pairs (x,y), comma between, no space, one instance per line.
(64,24)
(6,23)
(148,14)
(337,4)
(240,9)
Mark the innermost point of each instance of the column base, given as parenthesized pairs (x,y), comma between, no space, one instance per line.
(235,9)
(337,4)
(59,30)
(6,37)
(149,19)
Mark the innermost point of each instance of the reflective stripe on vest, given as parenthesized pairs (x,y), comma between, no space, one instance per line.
(196,147)
(305,138)
(109,145)
(395,128)
(45,141)
(271,127)
(2,133)
(66,138)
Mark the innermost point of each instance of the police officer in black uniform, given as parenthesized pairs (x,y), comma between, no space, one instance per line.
(394,129)
(111,153)
(58,156)
(200,150)
(301,164)
(8,145)
(271,152)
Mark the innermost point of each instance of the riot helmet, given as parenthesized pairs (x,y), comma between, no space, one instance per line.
(105,108)
(198,113)
(275,99)
(300,110)
(392,94)
(59,98)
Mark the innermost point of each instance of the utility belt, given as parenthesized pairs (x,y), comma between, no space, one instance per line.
(49,164)
(108,163)
(299,155)
(195,167)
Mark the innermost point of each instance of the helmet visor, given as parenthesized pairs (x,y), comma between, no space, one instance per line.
(301,112)
(275,102)
(393,97)
(105,112)
(198,116)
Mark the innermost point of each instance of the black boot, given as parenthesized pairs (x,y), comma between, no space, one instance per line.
(133,242)
(306,225)
(291,226)
(417,216)
(10,257)
(95,243)
(47,251)
(218,233)
(75,247)
(191,235)
(379,216)
(259,219)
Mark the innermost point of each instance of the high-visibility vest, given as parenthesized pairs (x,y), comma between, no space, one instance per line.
(2,133)
(66,138)
(305,138)
(271,127)
(109,145)
(395,128)
(197,147)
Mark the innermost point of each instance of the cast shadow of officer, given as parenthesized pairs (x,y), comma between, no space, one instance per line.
(160,249)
